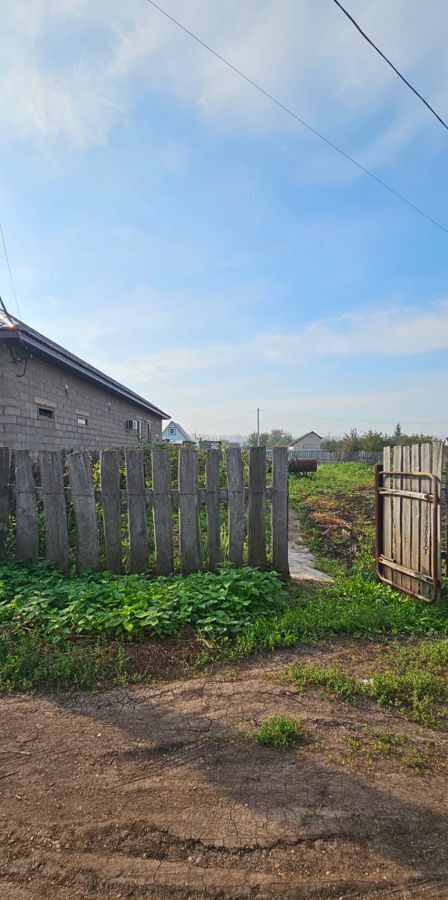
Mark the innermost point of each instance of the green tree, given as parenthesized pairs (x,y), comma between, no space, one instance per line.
(252,439)
(279,438)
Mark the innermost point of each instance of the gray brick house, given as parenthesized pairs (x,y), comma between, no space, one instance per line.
(51,399)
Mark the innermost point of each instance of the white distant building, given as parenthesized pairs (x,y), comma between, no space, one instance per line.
(175,434)
(309,441)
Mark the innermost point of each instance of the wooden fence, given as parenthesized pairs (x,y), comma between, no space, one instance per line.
(408,519)
(131,497)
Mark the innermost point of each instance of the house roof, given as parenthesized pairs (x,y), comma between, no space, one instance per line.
(15,331)
(307,434)
(179,428)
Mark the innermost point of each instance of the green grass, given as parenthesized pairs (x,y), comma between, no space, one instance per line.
(405,686)
(373,745)
(280,732)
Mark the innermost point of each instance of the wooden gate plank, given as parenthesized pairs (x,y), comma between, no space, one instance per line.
(162,510)
(257,508)
(235,484)
(437,464)
(111,503)
(425,519)
(397,507)
(138,529)
(280,510)
(387,510)
(212,463)
(190,547)
(406,523)
(4,499)
(51,463)
(27,522)
(416,508)
(83,498)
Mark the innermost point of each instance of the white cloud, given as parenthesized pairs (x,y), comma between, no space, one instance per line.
(73,69)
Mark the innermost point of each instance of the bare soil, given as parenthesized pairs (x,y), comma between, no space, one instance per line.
(156,792)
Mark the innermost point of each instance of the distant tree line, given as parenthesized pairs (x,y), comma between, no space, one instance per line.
(372,441)
(278,437)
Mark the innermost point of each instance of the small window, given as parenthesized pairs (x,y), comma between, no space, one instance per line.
(172,429)
(134,425)
(82,421)
(44,412)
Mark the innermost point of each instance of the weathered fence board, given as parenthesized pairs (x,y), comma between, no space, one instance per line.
(213,460)
(257,508)
(111,503)
(138,530)
(416,485)
(162,511)
(279,513)
(51,464)
(235,487)
(27,522)
(67,488)
(83,499)
(4,499)
(397,455)
(190,545)
(406,518)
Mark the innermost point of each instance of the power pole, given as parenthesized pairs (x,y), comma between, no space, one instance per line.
(258,427)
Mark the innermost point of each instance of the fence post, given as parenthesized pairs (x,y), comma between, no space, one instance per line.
(190,547)
(213,459)
(235,486)
(51,463)
(138,530)
(83,498)
(162,510)
(279,498)
(257,507)
(4,499)
(27,533)
(111,503)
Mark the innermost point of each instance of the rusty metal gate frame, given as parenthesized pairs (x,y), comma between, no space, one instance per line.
(432,497)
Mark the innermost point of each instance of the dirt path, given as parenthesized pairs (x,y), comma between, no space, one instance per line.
(302,564)
(155,793)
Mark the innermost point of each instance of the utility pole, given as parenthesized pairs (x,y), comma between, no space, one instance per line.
(258,427)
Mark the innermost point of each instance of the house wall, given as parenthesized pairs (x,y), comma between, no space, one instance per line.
(310,442)
(44,384)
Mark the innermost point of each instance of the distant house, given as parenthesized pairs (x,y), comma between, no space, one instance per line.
(175,434)
(309,441)
(51,399)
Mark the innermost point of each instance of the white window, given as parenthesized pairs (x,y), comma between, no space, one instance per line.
(82,422)
(134,425)
(172,430)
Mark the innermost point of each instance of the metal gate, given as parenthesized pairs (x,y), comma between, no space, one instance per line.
(407,493)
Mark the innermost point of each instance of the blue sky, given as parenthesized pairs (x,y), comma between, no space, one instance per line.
(168,224)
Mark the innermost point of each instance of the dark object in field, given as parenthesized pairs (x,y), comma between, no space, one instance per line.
(297,466)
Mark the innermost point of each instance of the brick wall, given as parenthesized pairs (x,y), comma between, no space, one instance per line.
(71,398)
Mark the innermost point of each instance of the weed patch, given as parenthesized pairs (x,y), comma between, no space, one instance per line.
(279,732)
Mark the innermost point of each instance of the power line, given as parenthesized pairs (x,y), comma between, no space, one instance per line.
(9,270)
(297,118)
(389,63)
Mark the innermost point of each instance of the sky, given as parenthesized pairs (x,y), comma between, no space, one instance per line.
(173,227)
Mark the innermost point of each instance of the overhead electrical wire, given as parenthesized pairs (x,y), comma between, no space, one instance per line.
(311,415)
(389,63)
(290,112)
(9,270)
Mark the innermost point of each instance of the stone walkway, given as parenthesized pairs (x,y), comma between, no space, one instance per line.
(301,561)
